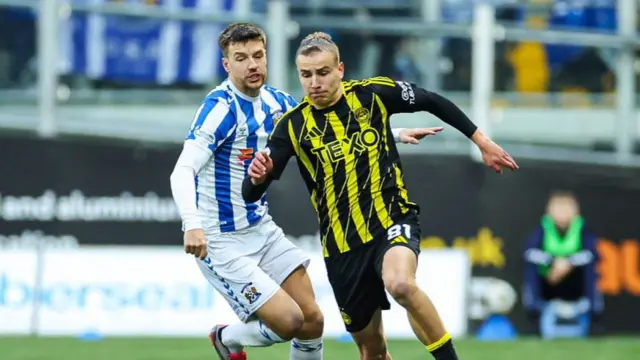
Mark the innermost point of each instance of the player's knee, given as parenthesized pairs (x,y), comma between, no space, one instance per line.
(290,323)
(313,324)
(373,351)
(400,287)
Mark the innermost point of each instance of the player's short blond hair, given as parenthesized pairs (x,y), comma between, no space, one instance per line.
(318,41)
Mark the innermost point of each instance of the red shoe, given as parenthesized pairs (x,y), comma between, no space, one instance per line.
(238,356)
(223,352)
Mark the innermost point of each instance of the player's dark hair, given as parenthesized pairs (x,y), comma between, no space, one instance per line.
(240,33)
(318,41)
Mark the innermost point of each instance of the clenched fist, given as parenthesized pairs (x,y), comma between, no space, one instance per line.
(195,243)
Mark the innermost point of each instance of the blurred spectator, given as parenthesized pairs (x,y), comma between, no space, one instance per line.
(350,43)
(18,48)
(392,47)
(364,53)
(529,61)
(458,51)
(504,70)
(560,290)
(578,67)
(405,65)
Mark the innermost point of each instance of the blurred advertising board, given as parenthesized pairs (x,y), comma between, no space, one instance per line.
(127,291)
(69,193)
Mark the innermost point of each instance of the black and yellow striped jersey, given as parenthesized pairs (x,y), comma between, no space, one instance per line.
(348,159)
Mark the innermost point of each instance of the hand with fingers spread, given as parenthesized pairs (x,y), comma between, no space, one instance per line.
(195,243)
(413,136)
(260,166)
(493,155)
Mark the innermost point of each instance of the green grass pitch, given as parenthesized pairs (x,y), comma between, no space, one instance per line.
(26,348)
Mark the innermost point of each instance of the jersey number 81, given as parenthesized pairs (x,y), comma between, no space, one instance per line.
(399,230)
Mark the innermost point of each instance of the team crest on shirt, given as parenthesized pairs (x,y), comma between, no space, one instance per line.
(251,293)
(243,130)
(276,116)
(361,114)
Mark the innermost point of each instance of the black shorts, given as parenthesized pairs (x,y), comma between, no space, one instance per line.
(356,276)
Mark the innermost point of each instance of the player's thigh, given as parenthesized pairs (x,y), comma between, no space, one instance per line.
(397,259)
(298,286)
(280,257)
(371,341)
(286,264)
(252,293)
(357,287)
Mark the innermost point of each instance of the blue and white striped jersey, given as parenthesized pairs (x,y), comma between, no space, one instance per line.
(233,126)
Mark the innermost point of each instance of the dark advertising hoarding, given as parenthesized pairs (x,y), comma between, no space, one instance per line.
(63,193)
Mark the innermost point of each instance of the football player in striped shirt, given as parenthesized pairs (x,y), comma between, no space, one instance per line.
(239,248)
(341,137)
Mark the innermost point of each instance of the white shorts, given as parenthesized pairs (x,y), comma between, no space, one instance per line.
(248,266)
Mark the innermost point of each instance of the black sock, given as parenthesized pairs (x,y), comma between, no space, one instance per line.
(443,349)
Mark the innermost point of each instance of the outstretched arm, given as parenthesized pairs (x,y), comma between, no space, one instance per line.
(403,97)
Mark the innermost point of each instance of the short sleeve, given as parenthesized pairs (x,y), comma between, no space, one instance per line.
(213,123)
(280,147)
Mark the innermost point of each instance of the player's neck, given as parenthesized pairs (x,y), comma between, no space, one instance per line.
(251,94)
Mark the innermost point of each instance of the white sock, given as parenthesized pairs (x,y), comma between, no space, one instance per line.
(253,333)
(306,349)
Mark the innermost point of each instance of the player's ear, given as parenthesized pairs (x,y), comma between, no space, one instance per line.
(225,64)
(341,69)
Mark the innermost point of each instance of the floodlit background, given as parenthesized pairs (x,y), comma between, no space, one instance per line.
(96,97)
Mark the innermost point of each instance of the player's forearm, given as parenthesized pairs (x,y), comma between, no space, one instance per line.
(445,110)
(588,255)
(252,192)
(183,189)
(183,186)
(581,258)
(537,257)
